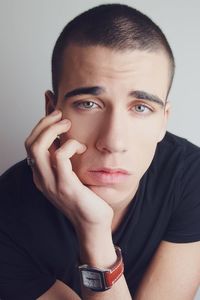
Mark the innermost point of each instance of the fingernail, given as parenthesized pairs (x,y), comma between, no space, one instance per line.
(55,112)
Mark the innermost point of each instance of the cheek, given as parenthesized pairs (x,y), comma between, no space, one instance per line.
(141,140)
(81,131)
(83,126)
(148,131)
(142,156)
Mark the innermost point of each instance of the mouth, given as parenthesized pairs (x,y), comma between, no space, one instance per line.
(111,170)
(108,175)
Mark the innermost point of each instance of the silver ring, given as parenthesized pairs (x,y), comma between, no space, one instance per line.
(30,161)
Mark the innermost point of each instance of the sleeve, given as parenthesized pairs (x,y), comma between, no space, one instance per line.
(184,225)
(20,276)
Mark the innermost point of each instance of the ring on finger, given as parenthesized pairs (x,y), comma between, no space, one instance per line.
(30,161)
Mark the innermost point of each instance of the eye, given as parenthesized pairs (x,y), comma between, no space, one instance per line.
(85,105)
(141,108)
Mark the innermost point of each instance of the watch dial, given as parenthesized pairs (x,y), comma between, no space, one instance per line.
(91,279)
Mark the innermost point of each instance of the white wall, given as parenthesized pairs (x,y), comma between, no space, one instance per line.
(28,33)
(29,30)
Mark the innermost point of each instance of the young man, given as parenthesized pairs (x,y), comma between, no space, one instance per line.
(107,204)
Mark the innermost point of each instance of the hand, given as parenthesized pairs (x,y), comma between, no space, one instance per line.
(54,177)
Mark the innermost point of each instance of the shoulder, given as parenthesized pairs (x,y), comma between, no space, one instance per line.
(182,154)
(12,179)
(13,173)
(173,144)
(16,188)
(183,172)
(176,145)
(174,155)
(174,174)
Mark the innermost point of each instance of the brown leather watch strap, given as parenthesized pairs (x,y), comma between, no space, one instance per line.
(116,271)
(100,280)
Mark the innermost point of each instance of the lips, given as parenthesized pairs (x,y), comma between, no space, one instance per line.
(111,170)
(108,175)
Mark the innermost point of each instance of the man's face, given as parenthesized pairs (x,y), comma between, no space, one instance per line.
(120,122)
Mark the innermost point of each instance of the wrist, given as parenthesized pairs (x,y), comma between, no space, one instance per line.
(99,257)
(97,249)
(93,236)
(99,279)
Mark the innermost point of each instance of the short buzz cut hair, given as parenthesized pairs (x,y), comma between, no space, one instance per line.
(115,26)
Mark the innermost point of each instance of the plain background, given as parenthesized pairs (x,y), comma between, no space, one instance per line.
(29,30)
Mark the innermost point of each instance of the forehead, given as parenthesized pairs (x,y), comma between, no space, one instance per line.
(116,70)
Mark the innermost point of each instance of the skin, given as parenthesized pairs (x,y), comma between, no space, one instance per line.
(119,131)
(115,133)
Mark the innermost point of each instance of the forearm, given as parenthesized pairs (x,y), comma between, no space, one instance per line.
(98,251)
(119,291)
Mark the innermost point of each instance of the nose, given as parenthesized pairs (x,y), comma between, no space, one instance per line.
(112,135)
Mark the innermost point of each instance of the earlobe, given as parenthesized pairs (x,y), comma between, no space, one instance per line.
(50,102)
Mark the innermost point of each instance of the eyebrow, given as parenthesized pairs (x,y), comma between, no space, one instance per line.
(92,90)
(147,96)
(98,90)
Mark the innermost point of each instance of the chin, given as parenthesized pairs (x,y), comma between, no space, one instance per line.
(108,194)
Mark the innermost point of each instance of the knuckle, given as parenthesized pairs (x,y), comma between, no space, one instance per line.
(53,128)
(74,142)
(42,121)
(58,153)
(50,190)
(61,192)
(71,142)
(34,148)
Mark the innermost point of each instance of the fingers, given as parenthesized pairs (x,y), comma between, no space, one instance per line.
(42,172)
(62,161)
(52,171)
(48,135)
(39,152)
(55,116)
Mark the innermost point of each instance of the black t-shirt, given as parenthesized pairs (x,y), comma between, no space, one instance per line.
(38,243)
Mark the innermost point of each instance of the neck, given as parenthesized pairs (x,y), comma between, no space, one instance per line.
(120,211)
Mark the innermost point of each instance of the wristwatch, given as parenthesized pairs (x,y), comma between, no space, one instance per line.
(100,280)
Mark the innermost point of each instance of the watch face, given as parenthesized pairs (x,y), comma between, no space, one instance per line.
(92,279)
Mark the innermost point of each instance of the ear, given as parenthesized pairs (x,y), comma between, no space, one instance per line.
(50,102)
(50,105)
(167,111)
